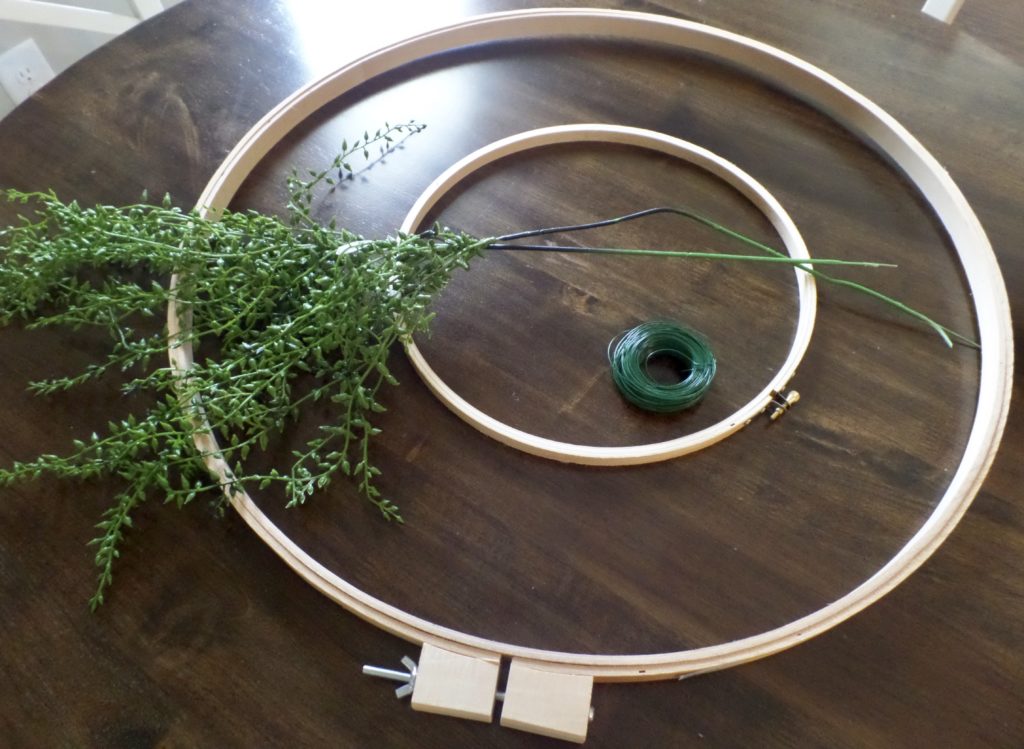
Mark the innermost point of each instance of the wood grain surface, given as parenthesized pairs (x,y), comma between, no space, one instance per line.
(208,640)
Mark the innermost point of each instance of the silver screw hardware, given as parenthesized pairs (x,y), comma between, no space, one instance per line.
(408,679)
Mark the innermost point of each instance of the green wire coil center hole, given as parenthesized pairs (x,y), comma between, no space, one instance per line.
(662,367)
(667,367)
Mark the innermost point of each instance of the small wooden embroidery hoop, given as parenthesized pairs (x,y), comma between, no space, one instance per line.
(716,165)
(803,80)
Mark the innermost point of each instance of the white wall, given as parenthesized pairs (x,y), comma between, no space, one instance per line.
(61,47)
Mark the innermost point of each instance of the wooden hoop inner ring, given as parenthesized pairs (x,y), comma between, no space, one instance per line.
(803,80)
(725,170)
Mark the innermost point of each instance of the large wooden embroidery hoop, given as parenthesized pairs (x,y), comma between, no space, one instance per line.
(806,82)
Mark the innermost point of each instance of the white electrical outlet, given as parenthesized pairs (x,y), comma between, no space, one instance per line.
(24,70)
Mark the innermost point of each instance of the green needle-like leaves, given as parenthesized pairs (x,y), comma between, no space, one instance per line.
(296,313)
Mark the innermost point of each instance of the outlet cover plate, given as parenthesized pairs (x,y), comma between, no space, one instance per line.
(24,70)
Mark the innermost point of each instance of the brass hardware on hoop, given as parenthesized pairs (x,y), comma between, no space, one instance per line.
(781,402)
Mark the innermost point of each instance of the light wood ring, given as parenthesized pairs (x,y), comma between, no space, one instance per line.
(803,80)
(725,170)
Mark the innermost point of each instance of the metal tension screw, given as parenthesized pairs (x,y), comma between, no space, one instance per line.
(782,403)
(408,679)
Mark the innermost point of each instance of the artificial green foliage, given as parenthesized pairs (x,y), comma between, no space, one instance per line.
(277,300)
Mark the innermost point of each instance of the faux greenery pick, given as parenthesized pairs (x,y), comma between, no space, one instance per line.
(279,303)
(276,299)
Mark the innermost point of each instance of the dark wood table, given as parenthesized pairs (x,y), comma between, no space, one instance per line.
(207,639)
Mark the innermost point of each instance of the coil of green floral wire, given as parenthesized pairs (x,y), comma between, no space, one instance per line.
(631,353)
